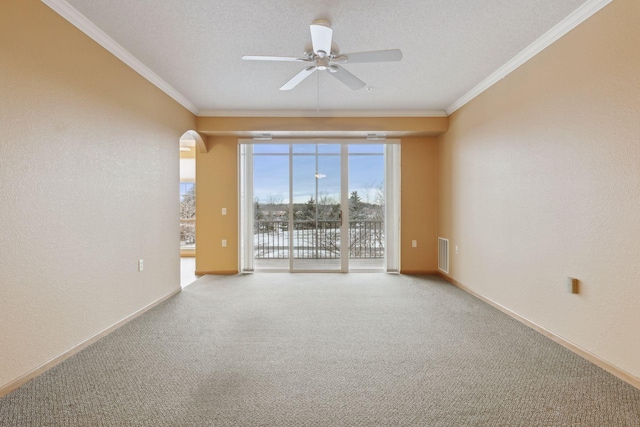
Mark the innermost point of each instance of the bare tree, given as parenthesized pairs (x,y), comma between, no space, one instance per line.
(187,217)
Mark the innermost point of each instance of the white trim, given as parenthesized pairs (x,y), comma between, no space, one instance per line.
(324,113)
(586,354)
(569,23)
(392,204)
(290,227)
(77,19)
(72,15)
(39,370)
(344,208)
(246,214)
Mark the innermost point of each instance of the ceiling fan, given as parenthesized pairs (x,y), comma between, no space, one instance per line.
(321,57)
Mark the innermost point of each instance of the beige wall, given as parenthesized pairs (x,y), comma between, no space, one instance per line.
(216,175)
(540,180)
(88,185)
(419,177)
(217,188)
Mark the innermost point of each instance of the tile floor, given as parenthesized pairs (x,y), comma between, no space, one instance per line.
(187,271)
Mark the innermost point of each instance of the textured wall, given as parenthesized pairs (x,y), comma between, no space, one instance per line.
(88,185)
(217,188)
(539,180)
(419,177)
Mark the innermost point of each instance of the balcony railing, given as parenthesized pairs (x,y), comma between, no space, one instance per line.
(317,239)
(187,233)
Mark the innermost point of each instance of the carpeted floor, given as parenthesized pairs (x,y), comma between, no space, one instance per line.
(323,350)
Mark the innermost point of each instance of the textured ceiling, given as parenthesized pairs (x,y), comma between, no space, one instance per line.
(449,47)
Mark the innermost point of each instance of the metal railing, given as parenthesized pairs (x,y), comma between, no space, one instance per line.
(187,233)
(317,239)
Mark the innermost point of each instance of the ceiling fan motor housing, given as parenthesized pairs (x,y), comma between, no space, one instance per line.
(322,63)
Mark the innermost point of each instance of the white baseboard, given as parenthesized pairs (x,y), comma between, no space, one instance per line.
(612,369)
(23,379)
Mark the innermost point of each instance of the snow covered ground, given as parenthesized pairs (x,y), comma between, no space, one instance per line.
(316,243)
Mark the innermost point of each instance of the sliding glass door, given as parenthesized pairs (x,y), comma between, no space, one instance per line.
(316,206)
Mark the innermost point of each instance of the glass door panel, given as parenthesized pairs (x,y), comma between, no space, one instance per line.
(316,191)
(366,240)
(271,206)
(320,207)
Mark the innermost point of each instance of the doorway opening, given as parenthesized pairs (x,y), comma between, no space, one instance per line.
(188,148)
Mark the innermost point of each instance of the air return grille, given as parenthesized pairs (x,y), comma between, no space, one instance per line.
(443,255)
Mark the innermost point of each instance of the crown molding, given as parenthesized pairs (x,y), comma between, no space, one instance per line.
(72,15)
(569,23)
(322,113)
(78,20)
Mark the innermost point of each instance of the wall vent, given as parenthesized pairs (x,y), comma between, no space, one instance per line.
(443,255)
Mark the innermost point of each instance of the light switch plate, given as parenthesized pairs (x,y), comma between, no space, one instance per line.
(572,285)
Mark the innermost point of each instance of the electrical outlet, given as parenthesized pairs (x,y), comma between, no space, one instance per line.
(414,243)
(140,264)
(224,243)
(456,249)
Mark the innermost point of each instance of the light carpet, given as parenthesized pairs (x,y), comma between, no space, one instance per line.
(323,350)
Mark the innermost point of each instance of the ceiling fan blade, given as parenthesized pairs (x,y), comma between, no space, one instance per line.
(298,78)
(372,56)
(347,78)
(274,58)
(321,34)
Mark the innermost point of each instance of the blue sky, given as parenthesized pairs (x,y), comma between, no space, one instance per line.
(271,172)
